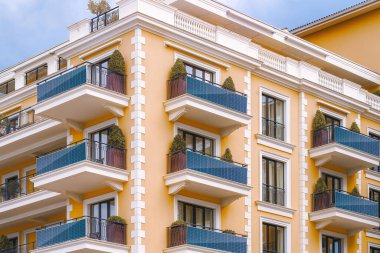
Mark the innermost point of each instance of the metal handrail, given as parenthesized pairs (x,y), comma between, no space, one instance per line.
(76,219)
(105,19)
(186,224)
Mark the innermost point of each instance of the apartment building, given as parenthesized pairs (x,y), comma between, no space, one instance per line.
(67,186)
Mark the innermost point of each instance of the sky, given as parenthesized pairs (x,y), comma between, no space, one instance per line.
(29,27)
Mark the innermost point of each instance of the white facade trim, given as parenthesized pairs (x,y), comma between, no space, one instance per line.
(343,111)
(373,131)
(215,207)
(287,117)
(287,175)
(275,209)
(88,202)
(111,43)
(195,130)
(342,118)
(288,232)
(275,143)
(9,175)
(335,173)
(138,131)
(200,64)
(28,231)
(87,131)
(336,235)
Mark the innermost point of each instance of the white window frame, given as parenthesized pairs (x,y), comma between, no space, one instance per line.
(288,232)
(9,175)
(200,64)
(286,100)
(215,207)
(372,186)
(88,202)
(373,131)
(287,176)
(336,235)
(342,118)
(87,131)
(14,235)
(28,231)
(199,131)
(24,171)
(371,244)
(336,174)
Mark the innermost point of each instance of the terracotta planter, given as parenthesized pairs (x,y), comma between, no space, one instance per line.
(116,233)
(177,161)
(177,236)
(177,87)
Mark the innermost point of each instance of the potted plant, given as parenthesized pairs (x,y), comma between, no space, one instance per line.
(229,231)
(5,244)
(227,156)
(116,229)
(116,148)
(178,154)
(177,234)
(116,73)
(320,133)
(355,192)
(321,195)
(354,127)
(229,84)
(177,82)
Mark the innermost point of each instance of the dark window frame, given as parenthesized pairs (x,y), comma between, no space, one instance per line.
(276,239)
(325,238)
(99,144)
(203,70)
(374,250)
(265,97)
(374,136)
(194,215)
(325,176)
(373,193)
(7,84)
(333,119)
(36,75)
(60,65)
(195,136)
(267,183)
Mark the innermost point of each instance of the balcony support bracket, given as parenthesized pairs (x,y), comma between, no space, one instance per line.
(323,224)
(117,112)
(323,161)
(76,197)
(115,186)
(228,130)
(75,125)
(227,201)
(353,232)
(174,189)
(174,116)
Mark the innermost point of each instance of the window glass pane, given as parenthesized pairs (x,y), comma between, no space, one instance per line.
(42,71)
(208,147)
(271,108)
(280,111)
(199,217)
(95,210)
(265,237)
(199,144)
(280,175)
(104,211)
(263,107)
(189,70)
(324,245)
(112,208)
(180,211)
(199,74)
(280,239)
(31,76)
(271,238)
(271,176)
(189,141)
(209,218)
(208,77)
(189,214)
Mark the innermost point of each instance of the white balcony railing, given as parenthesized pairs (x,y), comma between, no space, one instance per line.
(273,60)
(330,81)
(373,101)
(195,26)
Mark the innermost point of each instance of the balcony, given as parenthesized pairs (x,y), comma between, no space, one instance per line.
(104,19)
(342,210)
(206,103)
(82,94)
(83,235)
(82,167)
(203,174)
(188,239)
(23,133)
(344,148)
(20,202)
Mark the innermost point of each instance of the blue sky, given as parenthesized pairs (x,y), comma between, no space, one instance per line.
(28,27)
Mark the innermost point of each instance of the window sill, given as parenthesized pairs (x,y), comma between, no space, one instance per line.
(374,175)
(275,209)
(275,143)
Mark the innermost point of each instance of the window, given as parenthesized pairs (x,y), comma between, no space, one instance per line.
(331,121)
(198,143)
(273,117)
(199,73)
(62,63)
(273,238)
(333,183)
(99,141)
(7,87)
(374,195)
(11,188)
(273,181)
(377,137)
(99,73)
(99,212)
(374,250)
(331,244)
(36,74)
(194,215)
(13,245)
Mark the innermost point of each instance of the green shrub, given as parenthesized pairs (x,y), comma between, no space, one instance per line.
(116,137)
(5,243)
(377,93)
(355,192)
(229,231)
(320,186)
(178,223)
(178,144)
(319,120)
(116,219)
(354,127)
(227,156)
(178,69)
(117,63)
(229,84)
